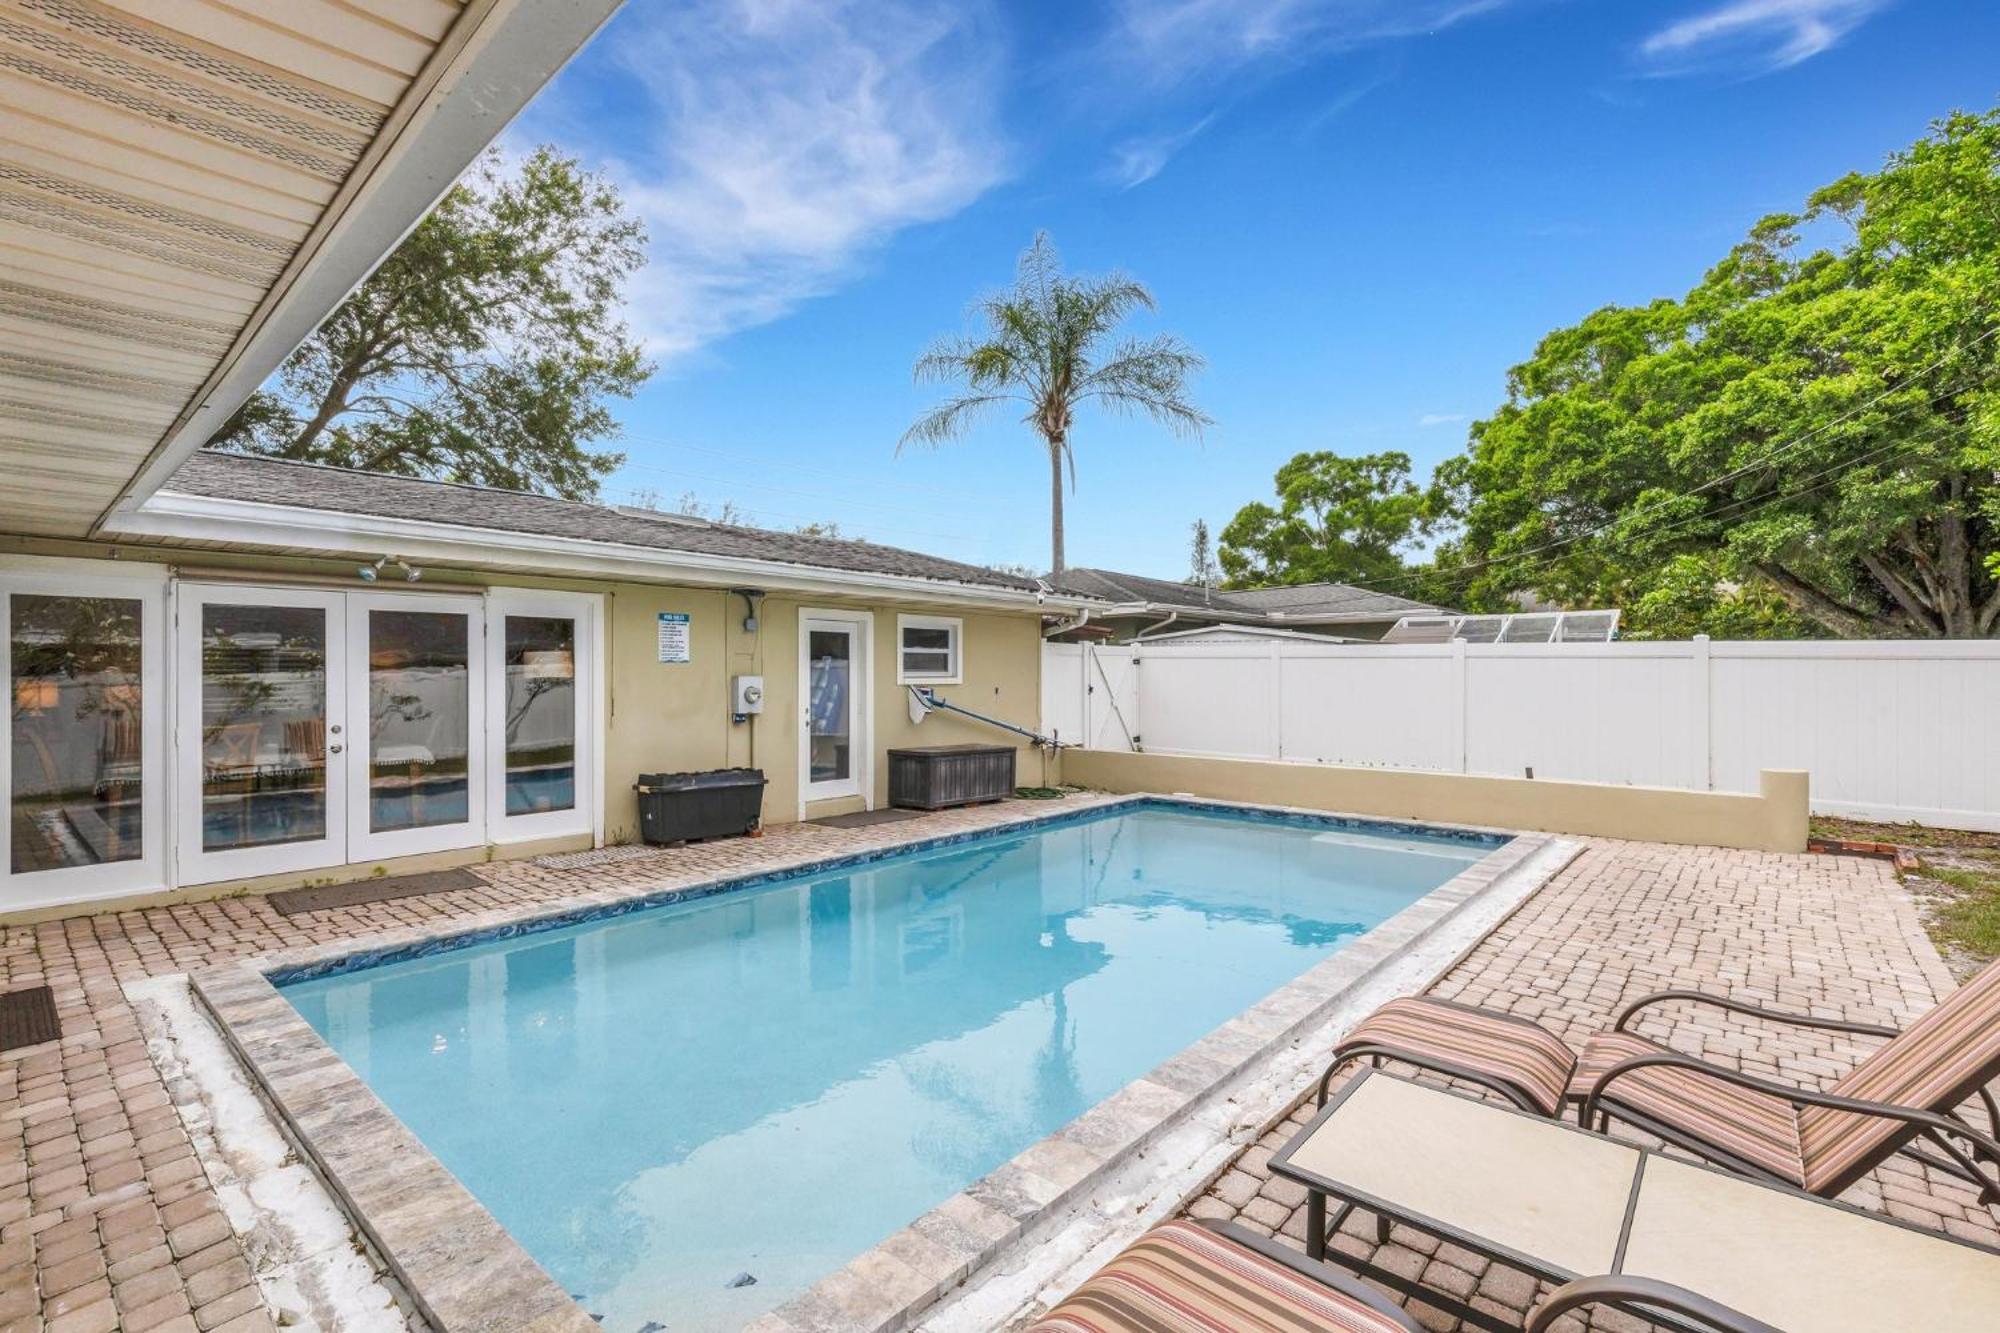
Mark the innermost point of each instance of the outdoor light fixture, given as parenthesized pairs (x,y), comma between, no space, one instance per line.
(369,573)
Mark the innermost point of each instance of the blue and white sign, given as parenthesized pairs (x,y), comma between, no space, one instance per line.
(674,637)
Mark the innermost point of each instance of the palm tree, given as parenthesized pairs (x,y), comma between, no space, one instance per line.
(1042,347)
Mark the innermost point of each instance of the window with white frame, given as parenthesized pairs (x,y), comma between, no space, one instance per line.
(928,650)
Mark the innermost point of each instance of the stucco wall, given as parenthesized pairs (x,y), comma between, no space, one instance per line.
(675,716)
(1772,821)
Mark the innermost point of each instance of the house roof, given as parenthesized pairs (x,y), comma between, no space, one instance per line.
(236,477)
(1292,603)
(192,187)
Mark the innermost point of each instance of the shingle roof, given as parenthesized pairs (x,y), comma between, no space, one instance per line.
(1292,603)
(1327,599)
(310,486)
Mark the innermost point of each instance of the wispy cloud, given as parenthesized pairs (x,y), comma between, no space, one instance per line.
(1139,159)
(1178,39)
(1429,419)
(1759,35)
(772,145)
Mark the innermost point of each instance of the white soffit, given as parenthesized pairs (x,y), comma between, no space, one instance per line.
(187,187)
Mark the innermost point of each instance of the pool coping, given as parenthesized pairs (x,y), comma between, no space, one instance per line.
(465,1272)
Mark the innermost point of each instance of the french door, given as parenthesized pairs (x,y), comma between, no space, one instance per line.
(318,728)
(834,686)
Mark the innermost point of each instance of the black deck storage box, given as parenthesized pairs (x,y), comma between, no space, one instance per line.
(682,807)
(932,777)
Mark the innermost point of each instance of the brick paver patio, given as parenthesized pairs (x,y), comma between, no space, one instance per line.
(1830,935)
(107,1220)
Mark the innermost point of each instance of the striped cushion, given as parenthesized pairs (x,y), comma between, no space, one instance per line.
(1938,1061)
(1181,1278)
(1756,1126)
(1500,1047)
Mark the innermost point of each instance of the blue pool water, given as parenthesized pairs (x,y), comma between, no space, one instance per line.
(771,1081)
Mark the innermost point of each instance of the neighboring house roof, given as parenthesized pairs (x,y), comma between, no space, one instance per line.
(307,486)
(1206,634)
(1300,603)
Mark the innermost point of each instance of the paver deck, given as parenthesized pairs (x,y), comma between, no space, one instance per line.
(107,1220)
(1830,935)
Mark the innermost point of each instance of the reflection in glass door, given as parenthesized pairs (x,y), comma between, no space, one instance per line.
(832,682)
(419,743)
(261,731)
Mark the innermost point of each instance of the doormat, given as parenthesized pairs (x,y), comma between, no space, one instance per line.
(28,1018)
(865,818)
(326,897)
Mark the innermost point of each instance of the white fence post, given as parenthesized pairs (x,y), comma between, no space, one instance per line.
(1275,649)
(1702,725)
(1455,706)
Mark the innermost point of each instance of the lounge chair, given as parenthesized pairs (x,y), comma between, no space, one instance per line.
(1208,1277)
(1904,1098)
(1616,1222)
(1188,1277)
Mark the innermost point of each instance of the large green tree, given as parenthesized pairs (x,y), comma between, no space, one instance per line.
(1338,519)
(1811,435)
(1047,347)
(483,350)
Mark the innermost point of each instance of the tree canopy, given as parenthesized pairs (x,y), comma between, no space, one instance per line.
(483,350)
(1338,519)
(1047,347)
(1809,439)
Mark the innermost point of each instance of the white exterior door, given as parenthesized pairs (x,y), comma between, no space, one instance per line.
(834,687)
(263,743)
(416,770)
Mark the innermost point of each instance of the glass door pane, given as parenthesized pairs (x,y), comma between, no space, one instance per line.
(421,734)
(539,717)
(830,704)
(419,719)
(77,760)
(263,727)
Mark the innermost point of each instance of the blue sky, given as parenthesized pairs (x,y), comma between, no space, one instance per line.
(1362,212)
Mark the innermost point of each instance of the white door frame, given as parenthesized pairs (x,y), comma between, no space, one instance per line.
(861,707)
(196,866)
(362,844)
(586,609)
(55,577)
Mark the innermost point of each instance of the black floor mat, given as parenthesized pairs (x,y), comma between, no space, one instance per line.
(865,818)
(28,1018)
(321,898)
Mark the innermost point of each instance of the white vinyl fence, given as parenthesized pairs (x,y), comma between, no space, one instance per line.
(1895,730)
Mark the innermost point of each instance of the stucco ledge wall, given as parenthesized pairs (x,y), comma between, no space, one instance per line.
(1774,820)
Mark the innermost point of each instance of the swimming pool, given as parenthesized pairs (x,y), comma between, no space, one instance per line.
(768,1082)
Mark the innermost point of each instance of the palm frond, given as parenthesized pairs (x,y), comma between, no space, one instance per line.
(1150,377)
(950,419)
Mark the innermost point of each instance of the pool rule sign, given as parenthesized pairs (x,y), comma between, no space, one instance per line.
(673,636)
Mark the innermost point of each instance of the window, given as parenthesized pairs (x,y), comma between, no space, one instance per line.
(927,650)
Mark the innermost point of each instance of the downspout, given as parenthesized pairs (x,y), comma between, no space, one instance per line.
(1171,618)
(1065,626)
